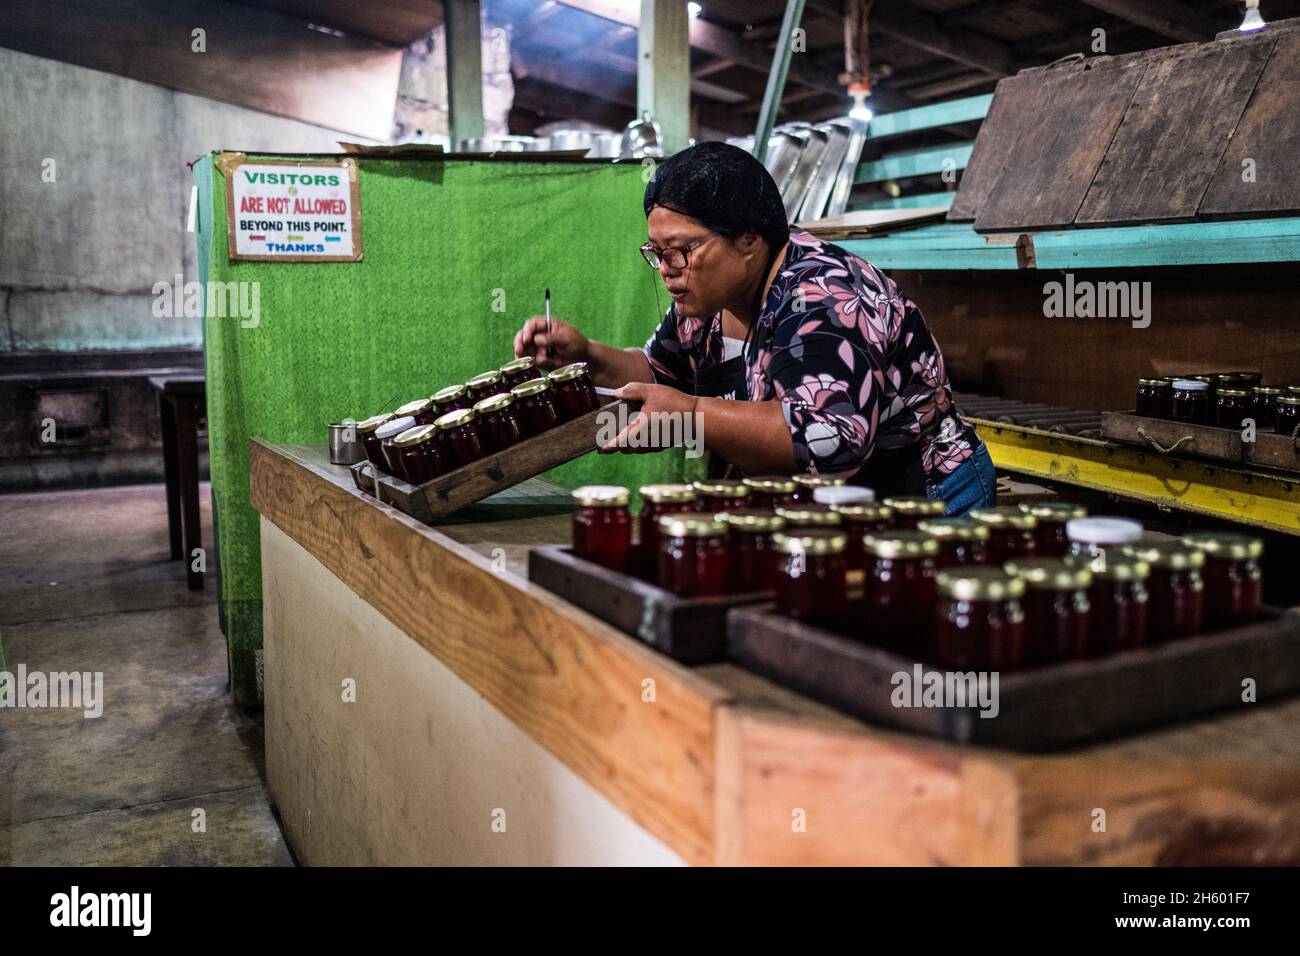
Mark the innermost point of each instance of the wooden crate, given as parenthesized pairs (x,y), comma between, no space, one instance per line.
(1040,709)
(1270,450)
(690,630)
(1173,438)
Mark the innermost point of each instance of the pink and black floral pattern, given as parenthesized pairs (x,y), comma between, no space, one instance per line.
(846,353)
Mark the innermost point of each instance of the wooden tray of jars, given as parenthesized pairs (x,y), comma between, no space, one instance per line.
(473,482)
(1173,438)
(692,630)
(1271,450)
(1040,709)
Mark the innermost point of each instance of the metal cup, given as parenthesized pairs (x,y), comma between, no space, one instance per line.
(342,450)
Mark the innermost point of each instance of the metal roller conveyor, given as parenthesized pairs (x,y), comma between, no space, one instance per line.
(1053,418)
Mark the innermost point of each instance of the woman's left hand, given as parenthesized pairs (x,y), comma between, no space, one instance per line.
(660,405)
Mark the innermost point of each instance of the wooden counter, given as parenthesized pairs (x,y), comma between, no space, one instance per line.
(720,766)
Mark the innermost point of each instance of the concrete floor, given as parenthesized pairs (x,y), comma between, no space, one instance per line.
(86,585)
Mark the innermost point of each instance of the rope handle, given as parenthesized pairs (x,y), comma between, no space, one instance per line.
(1175,446)
(1295,436)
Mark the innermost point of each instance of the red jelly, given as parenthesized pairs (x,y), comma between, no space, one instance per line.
(422,410)
(1231,407)
(366,429)
(692,555)
(716,496)
(979,623)
(811,577)
(766,493)
(656,502)
(1118,602)
(458,434)
(1233,582)
(519,371)
(450,399)
(1286,418)
(1056,610)
(1191,402)
(1175,589)
(602,526)
(1154,396)
(805,485)
(1050,537)
(498,428)
(385,433)
(754,557)
(485,385)
(574,393)
(1011,533)
(534,409)
(810,516)
(898,591)
(960,542)
(909,510)
(860,520)
(421,454)
(1263,406)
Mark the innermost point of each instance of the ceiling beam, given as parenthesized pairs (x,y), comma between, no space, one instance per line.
(1169,18)
(904,23)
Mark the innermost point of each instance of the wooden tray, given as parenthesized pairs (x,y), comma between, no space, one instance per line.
(1270,450)
(1173,438)
(474,482)
(1039,709)
(690,630)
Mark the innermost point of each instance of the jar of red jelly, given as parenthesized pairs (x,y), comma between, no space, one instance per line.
(836,495)
(366,429)
(693,555)
(657,501)
(805,485)
(498,428)
(1191,402)
(1231,407)
(1056,610)
(422,410)
(519,371)
(1118,601)
(766,493)
(458,435)
(602,525)
(1093,539)
(1244,380)
(1154,397)
(420,454)
(574,394)
(860,520)
(1263,406)
(811,576)
(485,385)
(534,409)
(911,509)
(450,399)
(960,541)
(1287,417)
(385,433)
(754,557)
(898,590)
(717,496)
(1050,537)
(802,516)
(1233,581)
(977,620)
(1011,532)
(1175,589)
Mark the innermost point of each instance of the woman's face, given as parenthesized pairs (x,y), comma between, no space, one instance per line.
(719,273)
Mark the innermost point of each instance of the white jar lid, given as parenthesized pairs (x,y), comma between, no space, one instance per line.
(843,495)
(1190,384)
(1103,530)
(395,427)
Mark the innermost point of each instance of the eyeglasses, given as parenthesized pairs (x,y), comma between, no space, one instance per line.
(675,256)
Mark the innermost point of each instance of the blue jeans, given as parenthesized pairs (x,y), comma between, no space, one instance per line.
(973,485)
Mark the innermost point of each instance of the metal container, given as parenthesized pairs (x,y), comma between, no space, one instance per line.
(642,138)
(566,139)
(823,180)
(343,451)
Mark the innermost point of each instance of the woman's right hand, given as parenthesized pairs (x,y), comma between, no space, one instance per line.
(563,345)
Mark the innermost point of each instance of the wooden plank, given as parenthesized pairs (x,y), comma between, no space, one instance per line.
(1270,450)
(1173,438)
(1173,244)
(919,162)
(1174,133)
(1067,120)
(464,69)
(994,143)
(1268,136)
(918,201)
(663,72)
(929,116)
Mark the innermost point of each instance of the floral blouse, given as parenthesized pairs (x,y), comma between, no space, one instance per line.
(849,357)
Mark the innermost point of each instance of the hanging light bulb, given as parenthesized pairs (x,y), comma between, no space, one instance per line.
(1253,20)
(860,110)
(694,9)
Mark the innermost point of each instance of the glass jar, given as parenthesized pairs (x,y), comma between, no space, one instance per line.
(1287,417)
(805,485)
(458,433)
(1050,538)
(692,555)
(485,385)
(422,410)
(498,428)
(1263,406)
(534,410)
(1154,397)
(385,434)
(1233,581)
(836,495)
(573,392)
(657,501)
(1091,539)
(602,525)
(1191,402)
(802,516)
(716,496)
(1012,532)
(420,454)
(858,521)
(1118,600)
(370,441)
(768,492)
(1242,380)
(811,576)
(519,371)
(898,591)
(1056,610)
(960,541)
(978,621)
(450,399)
(1231,406)
(911,509)
(1175,590)
(752,563)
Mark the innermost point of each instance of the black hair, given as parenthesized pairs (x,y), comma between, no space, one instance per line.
(725,188)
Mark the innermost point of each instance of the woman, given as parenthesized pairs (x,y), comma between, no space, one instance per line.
(841,375)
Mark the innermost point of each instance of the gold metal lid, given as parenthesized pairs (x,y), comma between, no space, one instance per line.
(1121,568)
(461,416)
(490,377)
(1291,388)
(1173,555)
(979,584)
(1234,547)
(1004,517)
(1057,511)
(953,529)
(534,386)
(1051,575)
(601,496)
(373,422)
(518,365)
(865,511)
(817,481)
(494,403)
(751,520)
(413,408)
(691,526)
(1288,399)
(809,515)
(1159,382)
(413,436)
(1266,390)
(662,494)
(725,489)
(900,544)
(569,372)
(449,394)
(916,505)
(774,485)
(1234,392)
(810,542)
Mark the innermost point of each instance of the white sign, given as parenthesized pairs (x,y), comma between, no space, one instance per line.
(294,211)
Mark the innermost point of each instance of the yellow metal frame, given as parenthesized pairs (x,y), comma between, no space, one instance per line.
(1234,493)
